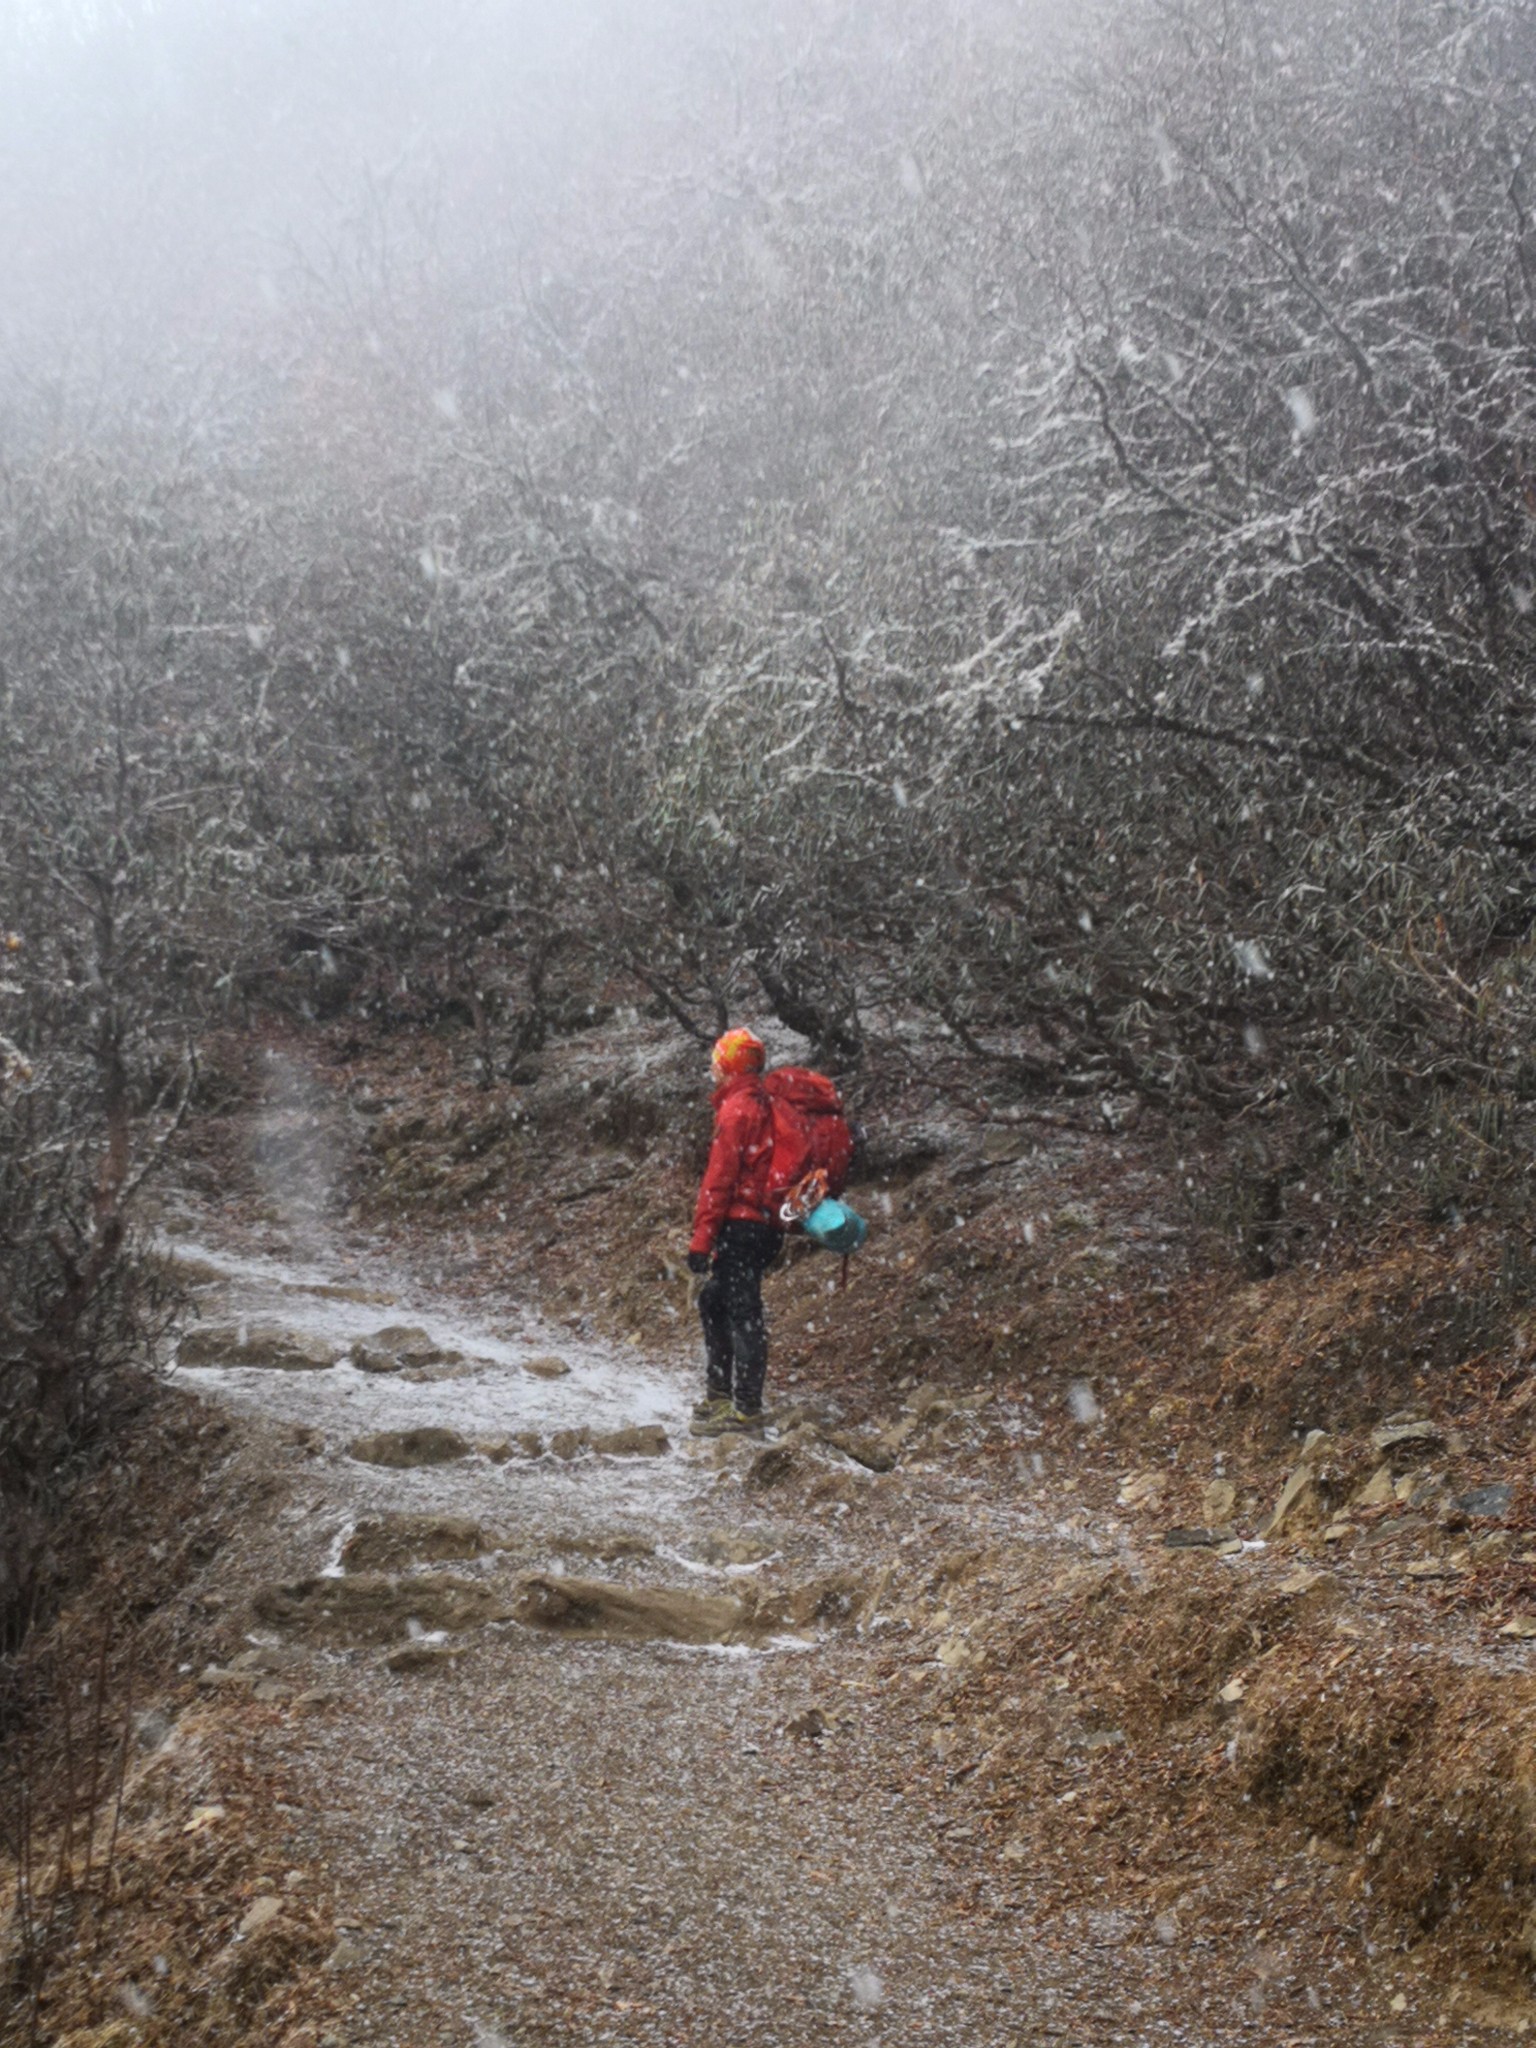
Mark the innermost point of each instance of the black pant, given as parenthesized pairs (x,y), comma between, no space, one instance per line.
(731,1310)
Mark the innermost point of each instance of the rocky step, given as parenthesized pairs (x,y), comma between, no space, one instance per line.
(267,1345)
(388,1608)
(382,1543)
(432,1444)
(378,1607)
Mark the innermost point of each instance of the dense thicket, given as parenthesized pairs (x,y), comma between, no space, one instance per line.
(886,513)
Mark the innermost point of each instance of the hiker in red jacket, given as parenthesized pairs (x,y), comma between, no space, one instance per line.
(736,1238)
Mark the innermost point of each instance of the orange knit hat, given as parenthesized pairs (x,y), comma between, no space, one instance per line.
(738,1052)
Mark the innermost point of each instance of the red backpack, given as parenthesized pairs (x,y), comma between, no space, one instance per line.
(811,1135)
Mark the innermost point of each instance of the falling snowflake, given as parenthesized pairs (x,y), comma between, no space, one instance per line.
(866,1988)
(1303,412)
(1252,960)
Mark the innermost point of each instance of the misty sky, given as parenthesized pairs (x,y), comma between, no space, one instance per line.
(172,174)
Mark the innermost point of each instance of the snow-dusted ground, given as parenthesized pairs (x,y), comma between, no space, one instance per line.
(576,1842)
(567,1842)
(490,1397)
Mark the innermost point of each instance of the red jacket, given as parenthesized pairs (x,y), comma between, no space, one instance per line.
(735,1183)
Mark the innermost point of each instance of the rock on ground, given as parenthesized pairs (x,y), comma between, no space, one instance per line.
(268,1346)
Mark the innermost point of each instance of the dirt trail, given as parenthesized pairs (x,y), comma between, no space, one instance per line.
(543,1839)
(533,1835)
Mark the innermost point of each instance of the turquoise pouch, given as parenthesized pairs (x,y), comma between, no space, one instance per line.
(836,1227)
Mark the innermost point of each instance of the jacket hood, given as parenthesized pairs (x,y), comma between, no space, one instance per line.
(738,1084)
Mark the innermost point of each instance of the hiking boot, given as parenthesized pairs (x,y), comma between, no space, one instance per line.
(732,1421)
(711,1406)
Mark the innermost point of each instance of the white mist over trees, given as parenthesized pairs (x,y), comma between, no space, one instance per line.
(837,510)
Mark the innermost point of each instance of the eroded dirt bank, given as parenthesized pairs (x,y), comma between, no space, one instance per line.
(973,1707)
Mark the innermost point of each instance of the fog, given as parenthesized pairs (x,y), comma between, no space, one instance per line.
(184,187)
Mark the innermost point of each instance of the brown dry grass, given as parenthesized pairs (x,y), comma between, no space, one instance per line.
(150,1943)
(166,1945)
(1410,1771)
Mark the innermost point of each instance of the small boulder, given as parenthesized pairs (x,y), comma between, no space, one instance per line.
(834,1601)
(369,1357)
(593,1607)
(612,1548)
(376,1607)
(1410,1436)
(1218,1501)
(401,1347)
(639,1440)
(1486,1502)
(771,1467)
(410,1342)
(1142,1489)
(400,1449)
(570,1443)
(869,1451)
(212,1345)
(522,1443)
(726,1549)
(1298,1503)
(1305,1581)
(421,1657)
(316,1699)
(261,1913)
(1378,1491)
(547,1367)
(350,1290)
(386,1542)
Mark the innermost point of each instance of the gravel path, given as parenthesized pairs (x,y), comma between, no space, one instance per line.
(564,1841)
